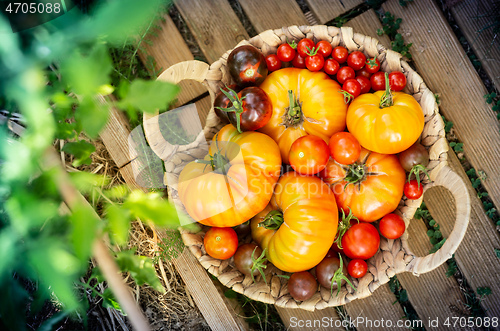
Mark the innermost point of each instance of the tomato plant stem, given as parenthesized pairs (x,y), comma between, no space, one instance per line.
(273,220)
(386,99)
(294,115)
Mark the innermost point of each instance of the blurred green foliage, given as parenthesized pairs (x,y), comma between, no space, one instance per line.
(52,74)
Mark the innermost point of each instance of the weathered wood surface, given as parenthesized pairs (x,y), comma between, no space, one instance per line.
(319,320)
(327,10)
(476,20)
(213,24)
(167,47)
(475,256)
(218,313)
(443,64)
(433,295)
(265,14)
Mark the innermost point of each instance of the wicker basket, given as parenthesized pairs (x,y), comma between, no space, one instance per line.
(394,256)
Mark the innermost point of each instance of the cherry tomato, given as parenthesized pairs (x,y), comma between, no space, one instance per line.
(221,243)
(356,60)
(286,52)
(391,226)
(304,46)
(331,66)
(363,72)
(309,155)
(353,87)
(340,54)
(378,81)
(397,81)
(273,62)
(344,148)
(372,65)
(361,241)
(364,83)
(413,190)
(324,48)
(299,61)
(326,269)
(344,74)
(315,62)
(302,285)
(357,268)
(415,154)
(244,259)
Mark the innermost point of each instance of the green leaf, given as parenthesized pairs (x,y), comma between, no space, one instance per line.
(86,73)
(86,181)
(119,223)
(151,206)
(84,231)
(117,192)
(432,222)
(437,234)
(484,290)
(109,301)
(92,116)
(231,294)
(149,96)
(52,322)
(81,150)
(14,300)
(140,268)
(430,233)
(403,296)
(65,131)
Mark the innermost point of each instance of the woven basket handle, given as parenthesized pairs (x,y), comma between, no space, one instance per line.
(187,70)
(456,185)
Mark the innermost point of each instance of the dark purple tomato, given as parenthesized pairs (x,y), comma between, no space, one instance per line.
(243,229)
(252,110)
(302,285)
(325,271)
(247,259)
(414,155)
(222,101)
(247,65)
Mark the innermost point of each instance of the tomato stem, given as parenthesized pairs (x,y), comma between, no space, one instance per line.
(294,114)
(344,225)
(338,276)
(386,99)
(347,96)
(416,170)
(218,162)
(259,264)
(273,220)
(237,105)
(312,52)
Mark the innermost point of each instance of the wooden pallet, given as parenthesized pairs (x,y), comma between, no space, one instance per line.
(216,28)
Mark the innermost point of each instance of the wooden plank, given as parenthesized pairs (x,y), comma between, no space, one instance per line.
(321,320)
(475,19)
(168,47)
(214,25)
(433,295)
(117,126)
(442,62)
(265,14)
(368,24)
(375,307)
(475,256)
(327,10)
(217,312)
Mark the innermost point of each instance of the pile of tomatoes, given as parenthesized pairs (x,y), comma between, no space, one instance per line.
(329,146)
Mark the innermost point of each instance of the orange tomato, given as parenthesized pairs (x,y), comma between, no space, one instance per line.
(387,130)
(235,180)
(371,187)
(304,102)
(299,225)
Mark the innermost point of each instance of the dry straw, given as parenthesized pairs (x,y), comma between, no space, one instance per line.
(394,256)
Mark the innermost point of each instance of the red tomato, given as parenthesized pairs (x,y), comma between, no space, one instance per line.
(304,46)
(221,243)
(273,62)
(309,155)
(361,241)
(357,268)
(391,226)
(372,65)
(331,66)
(353,87)
(363,72)
(315,62)
(364,83)
(356,60)
(413,190)
(340,54)
(378,81)
(324,48)
(344,148)
(299,61)
(344,74)
(286,52)
(397,81)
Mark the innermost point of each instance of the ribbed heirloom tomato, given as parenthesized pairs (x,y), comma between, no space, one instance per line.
(235,180)
(371,187)
(299,225)
(304,103)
